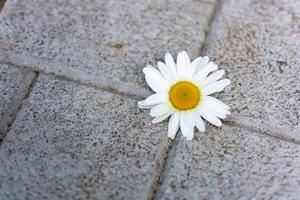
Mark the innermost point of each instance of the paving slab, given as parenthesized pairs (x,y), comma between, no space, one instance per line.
(258,44)
(231,163)
(14,85)
(110,40)
(71,141)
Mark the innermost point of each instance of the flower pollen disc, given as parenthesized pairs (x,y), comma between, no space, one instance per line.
(184,95)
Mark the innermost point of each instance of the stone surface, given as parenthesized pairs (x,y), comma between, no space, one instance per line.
(112,40)
(257,42)
(74,142)
(231,163)
(14,85)
(261,55)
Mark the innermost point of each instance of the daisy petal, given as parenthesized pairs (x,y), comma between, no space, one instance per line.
(173,125)
(215,87)
(155,80)
(152,100)
(194,65)
(204,61)
(199,123)
(148,66)
(186,58)
(217,102)
(181,64)
(191,119)
(159,110)
(202,74)
(186,125)
(162,117)
(155,85)
(171,64)
(189,71)
(150,70)
(206,114)
(165,71)
(142,106)
(213,77)
(183,124)
(214,108)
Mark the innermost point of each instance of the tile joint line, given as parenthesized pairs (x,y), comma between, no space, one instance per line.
(19,106)
(154,194)
(113,90)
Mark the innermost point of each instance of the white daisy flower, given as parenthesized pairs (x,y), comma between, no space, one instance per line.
(182,91)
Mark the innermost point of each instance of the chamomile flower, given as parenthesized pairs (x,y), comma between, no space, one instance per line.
(182,92)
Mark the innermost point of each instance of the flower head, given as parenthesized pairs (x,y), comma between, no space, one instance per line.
(182,91)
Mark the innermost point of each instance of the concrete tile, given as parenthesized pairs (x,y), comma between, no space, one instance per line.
(257,42)
(231,163)
(112,40)
(14,84)
(74,142)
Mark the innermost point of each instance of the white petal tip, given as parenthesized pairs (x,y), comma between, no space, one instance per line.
(202,130)
(206,59)
(168,57)
(154,121)
(144,70)
(228,82)
(172,137)
(189,138)
(183,52)
(218,124)
(214,66)
(140,104)
(160,63)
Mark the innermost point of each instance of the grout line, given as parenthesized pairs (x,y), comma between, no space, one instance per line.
(250,129)
(154,192)
(18,102)
(62,77)
(115,86)
(126,89)
(118,87)
(162,153)
(277,132)
(211,22)
(169,161)
(239,120)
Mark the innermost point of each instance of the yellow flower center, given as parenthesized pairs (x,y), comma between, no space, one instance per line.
(184,95)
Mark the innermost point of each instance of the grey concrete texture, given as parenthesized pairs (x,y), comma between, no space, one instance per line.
(258,44)
(71,141)
(14,85)
(231,163)
(112,40)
